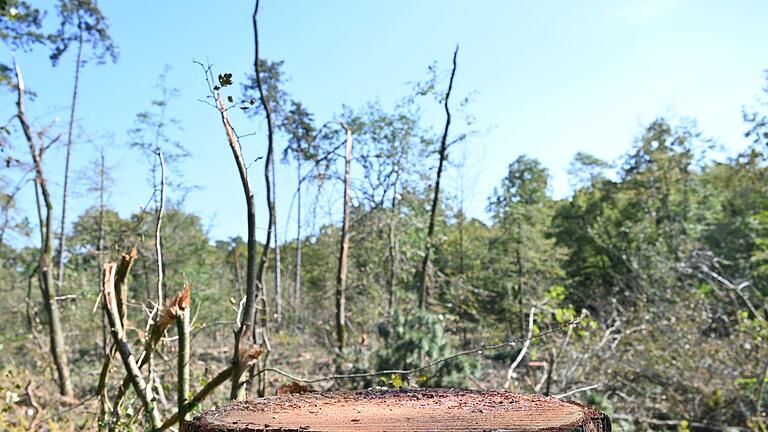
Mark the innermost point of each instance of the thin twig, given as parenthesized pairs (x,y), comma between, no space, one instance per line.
(64,411)
(578,390)
(511,370)
(32,401)
(479,350)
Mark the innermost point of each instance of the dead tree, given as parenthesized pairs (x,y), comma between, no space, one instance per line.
(298,124)
(64,195)
(181,304)
(262,311)
(297,283)
(91,29)
(341,277)
(393,250)
(245,318)
(278,264)
(100,247)
(424,275)
(158,226)
(45,218)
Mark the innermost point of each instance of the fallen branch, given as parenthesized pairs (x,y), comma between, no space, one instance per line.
(32,401)
(736,289)
(66,410)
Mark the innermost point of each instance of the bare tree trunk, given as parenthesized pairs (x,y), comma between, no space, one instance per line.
(182,325)
(244,320)
(278,266)
(101,387)
(341,277)
(461,241)
(147,287)
(39,206)
(238,274)
(425,274)
(121,299)
(56,333)
(62,227)
(461,219)
(393,252)
(100,247)
(520,277)
(158,225)
(152,381)
(297,285)
(260,337)
(108,353)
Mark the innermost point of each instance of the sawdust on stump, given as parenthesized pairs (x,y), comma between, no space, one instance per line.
(403,410)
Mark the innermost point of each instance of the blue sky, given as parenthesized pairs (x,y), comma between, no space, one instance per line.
(549,78)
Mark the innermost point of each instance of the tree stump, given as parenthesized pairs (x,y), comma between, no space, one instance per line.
(403,410)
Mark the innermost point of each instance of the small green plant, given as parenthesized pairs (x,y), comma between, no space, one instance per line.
(416,338)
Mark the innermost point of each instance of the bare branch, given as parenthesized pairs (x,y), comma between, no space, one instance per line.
(425,265)
(511,370)
(578,390)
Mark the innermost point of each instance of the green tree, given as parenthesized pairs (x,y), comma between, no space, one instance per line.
(20,30)
(525,258)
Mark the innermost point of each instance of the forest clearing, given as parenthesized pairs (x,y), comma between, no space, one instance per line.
(165,252)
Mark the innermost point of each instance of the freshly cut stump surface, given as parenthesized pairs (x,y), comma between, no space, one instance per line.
(403,410)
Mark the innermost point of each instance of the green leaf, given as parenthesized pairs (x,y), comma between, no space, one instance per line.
(225,79)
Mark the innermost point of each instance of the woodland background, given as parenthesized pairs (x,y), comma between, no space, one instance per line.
(642,293)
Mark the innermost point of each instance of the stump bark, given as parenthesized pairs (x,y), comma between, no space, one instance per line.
(403,410)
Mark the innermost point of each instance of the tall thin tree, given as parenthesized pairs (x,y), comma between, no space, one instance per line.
(425,274)
(298,124)
(262,311)
(244,322)
(341,276)
(278,264)
(90,27)
(45,260)
(297,280)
